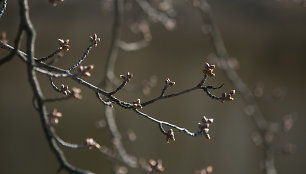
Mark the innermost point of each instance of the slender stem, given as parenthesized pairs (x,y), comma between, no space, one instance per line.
(119,87)
(3,8)
(49,56)
(169,96)
(160,123)
(83,57)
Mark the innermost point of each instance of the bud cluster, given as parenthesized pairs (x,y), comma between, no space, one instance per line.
(75,92)
(229,96)
(206,170)
(127,77)
(91,144)
(204,126)
(156,165)
(64,44)
(170,136)
(54,116)
(64,89)
(169,82)
(208,69)
(94,39)
(137,104)
(85,70)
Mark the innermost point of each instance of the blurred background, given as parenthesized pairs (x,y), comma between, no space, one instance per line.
(265,38)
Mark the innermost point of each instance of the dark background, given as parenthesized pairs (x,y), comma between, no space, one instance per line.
(267,37)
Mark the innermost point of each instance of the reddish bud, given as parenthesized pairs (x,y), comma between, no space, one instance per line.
(137,104)
(170,136)
(207,136)
(64,44)
(169,82)
(94,39)
(90,143)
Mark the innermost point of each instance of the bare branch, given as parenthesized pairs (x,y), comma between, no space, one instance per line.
(82,58)
(3,8)
(27,26)
(133,46)
(156,15)
(49,56)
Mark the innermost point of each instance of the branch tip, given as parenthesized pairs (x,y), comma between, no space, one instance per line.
(63,44)
(94,39)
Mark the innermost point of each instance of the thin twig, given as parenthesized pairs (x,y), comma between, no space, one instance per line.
(155,14)
(56,99)
(198,86)
(49,56)
(69,145)
(3,8)
(53,85)
(83,57)
(160,123)
(119,87)
(107,103)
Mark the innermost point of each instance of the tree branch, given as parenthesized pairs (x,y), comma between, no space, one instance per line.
(3,8)
(49,131)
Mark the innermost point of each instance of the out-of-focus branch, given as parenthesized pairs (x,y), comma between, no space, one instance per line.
(133,45)
(221,52)
(113,50)
(143,28)
(107,82)
(154,14)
